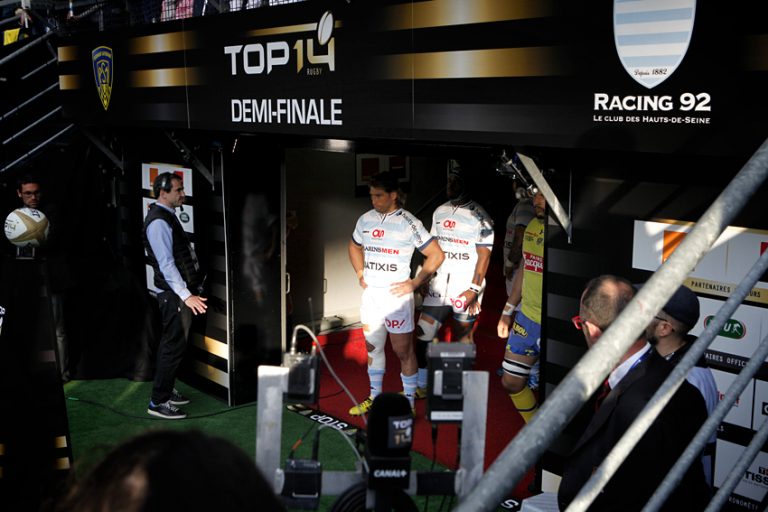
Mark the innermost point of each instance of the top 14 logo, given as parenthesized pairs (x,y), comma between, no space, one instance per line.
(263,58)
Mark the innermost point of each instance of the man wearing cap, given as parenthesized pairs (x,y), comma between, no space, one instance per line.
(628,389)
(464,231)
(668,333)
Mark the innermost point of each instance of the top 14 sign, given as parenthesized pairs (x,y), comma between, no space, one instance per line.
(652,37)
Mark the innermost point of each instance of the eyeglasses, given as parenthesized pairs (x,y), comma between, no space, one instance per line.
(578,322)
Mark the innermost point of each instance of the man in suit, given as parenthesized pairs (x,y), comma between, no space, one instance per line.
(633,382)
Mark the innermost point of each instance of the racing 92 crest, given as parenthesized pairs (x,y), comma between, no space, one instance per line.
(102,59)
(652,37)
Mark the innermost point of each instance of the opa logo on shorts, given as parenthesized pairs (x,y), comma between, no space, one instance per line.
(378,233)
(449,224)
(459,303)
(394,324)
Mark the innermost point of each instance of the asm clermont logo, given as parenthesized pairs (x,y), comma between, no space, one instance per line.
(102,73)
(652,37)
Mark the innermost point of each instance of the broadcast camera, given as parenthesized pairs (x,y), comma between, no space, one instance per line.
(382,479)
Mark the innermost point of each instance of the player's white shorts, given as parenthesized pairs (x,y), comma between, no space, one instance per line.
(379,307)
(445,289)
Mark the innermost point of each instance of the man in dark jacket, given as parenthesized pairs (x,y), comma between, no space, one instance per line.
(629,388)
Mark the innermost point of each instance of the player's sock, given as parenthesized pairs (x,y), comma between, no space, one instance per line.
(409,387)
(376,377)
(525,402)
(422,379)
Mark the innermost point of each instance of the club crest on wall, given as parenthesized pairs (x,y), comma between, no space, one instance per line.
(102,73)
(652,37)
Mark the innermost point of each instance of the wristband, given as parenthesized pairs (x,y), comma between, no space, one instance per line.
(475,288)
(509,309)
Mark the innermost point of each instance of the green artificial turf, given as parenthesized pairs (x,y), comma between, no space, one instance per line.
(103,413)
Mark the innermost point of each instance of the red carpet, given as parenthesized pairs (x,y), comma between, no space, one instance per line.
(347,354)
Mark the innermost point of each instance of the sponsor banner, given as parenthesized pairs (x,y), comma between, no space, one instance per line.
(726,361)
(567,74)
(760,412)
(754,482)
(741,412)
(741,334)
(323,419)
(719,271)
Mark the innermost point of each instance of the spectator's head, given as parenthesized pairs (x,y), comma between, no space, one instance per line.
(386,195)
(173,470)
(604,298)
(678,316)
(28,190)
(168,189)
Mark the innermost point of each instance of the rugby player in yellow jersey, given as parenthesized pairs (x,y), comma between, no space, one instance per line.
(523,327)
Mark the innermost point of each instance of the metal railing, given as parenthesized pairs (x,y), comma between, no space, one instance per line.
(584,379)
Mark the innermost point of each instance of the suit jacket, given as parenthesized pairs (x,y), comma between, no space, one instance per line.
(656,452)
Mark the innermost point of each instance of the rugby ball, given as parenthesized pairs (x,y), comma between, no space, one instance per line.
(26,227)
(325,28)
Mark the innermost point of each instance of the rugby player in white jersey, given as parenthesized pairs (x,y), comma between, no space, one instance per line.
(380,252)
(465,233)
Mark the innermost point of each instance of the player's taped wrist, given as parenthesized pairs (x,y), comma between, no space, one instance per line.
(475,288)
(509,309)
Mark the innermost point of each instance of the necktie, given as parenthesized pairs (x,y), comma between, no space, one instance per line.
(602,395)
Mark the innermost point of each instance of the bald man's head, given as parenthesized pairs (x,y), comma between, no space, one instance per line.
(604,298)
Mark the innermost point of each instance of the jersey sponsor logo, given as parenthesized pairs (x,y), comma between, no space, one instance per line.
(533,262)
(381,267)
(394,323)
(519,330)
(459,303)
(452,240)
(534,237)
(377,233)
(415,230)
(382,250)
(462,256)
(449,224)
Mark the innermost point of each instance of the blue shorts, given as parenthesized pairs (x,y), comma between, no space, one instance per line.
(524,336)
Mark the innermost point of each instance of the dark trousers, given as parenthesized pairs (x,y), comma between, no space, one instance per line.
(176,319)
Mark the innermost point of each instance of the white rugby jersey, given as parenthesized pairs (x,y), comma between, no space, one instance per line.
(521,215)
(460,230)
(388,241)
